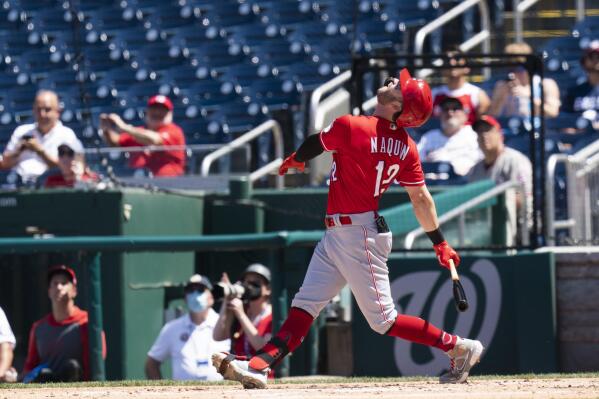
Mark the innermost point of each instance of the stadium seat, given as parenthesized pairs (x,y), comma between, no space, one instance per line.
(441,173)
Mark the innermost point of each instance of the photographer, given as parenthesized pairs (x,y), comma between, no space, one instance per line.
(246,318)
(33,147)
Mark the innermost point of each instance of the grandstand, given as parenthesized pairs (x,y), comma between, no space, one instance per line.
(250,79)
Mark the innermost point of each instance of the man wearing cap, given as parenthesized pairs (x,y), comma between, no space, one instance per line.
(502,164)
(455,142)
(475,100)
(58,343)
(33,147)
(187,340)
(248,324)
(584,98)
(72,169)
(158,131)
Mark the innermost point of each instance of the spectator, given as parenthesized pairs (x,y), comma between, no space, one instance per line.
(33,147)
(584,98)
(248,322)
(455,142)
(158,131)
(502,164)
(7,346)
(475,100)
(58,343)
(72,168)
(188,339)
(511,97)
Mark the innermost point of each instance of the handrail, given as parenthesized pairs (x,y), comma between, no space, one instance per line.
(587,156)
(550,196)
(266,169)
(107,150)
(580,10)
(519,8)
(412,235)
(320,91)
(270,125)
(483,36)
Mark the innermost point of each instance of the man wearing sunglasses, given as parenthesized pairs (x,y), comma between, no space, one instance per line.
(455,142)
(73,170)
(33,147)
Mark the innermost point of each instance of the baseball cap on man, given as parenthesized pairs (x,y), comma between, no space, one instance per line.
(198,280)
(67,271)
(159,99)
(485,123)
(453,102)
(259,269)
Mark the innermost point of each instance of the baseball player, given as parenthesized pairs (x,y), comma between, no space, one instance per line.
(369,152)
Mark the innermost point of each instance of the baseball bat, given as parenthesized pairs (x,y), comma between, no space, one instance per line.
(459,296)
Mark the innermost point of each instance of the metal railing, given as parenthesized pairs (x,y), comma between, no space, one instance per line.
(318,93)
(268,126)
(461,210)
(582,173)
(519,8)
(484,36)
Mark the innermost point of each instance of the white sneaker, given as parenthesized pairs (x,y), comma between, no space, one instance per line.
(233,368)
(463,357)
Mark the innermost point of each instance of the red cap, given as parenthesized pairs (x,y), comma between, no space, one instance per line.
(64,270)
(417,100)
(161,100)
(487,119)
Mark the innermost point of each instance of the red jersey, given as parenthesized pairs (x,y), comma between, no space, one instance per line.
(160,163)
(52,342)
(369,154)
(58,180)
(240,344)
(468,95)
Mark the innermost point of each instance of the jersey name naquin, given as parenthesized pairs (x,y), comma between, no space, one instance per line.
(369,154)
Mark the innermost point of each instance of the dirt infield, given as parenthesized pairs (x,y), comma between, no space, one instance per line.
(558,387)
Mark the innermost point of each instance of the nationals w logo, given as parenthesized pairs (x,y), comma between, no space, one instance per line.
(414,291)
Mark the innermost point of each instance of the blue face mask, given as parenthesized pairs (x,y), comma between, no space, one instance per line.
(197,301)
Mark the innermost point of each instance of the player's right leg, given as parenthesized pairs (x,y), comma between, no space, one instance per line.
(321,283)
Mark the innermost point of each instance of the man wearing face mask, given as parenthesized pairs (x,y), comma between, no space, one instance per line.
(249,324)
(188,339)
(158,131)
(455,142)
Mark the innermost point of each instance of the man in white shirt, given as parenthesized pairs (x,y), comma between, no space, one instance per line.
(33,147)
(188,339)
(455,142)
(7,346)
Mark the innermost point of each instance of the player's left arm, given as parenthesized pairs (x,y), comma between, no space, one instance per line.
(310,148)
(426,213)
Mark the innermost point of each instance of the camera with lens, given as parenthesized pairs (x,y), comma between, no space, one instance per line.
(243,291)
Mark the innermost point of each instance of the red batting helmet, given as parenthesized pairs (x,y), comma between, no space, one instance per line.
(417,100)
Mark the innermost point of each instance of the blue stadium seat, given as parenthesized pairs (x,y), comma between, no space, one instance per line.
(441,173)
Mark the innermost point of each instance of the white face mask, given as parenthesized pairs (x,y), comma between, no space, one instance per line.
(197,301)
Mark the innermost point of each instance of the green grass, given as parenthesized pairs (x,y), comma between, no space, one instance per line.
(294,380)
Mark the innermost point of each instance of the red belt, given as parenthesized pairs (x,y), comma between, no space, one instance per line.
(330,222)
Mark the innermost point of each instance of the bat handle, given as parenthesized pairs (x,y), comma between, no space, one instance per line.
(452,270)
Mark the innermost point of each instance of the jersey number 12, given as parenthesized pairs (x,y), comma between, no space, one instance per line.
(391,172)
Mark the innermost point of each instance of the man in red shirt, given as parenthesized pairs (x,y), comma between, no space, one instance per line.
(58,343)
(158,131)
(72,169)
(369,152)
